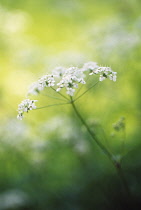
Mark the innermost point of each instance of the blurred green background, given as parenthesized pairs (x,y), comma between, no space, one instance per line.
(46,161)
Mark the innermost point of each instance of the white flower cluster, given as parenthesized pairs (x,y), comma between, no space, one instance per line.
(69,80)
(25,106)
(34,89)
(91,66)
(105,72)
(59,71)
(45,81)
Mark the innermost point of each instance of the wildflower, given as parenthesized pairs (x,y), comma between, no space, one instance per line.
(90,66)
(101,78)
(70,91)
(71,77)
(59,71)
(34,89)
(105,72)
(25,106)
(46,81)
(69,80)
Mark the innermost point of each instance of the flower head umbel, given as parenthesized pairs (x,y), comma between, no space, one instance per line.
(59,71)
(104,72)
(34,89)
(91,66)
(70,80)
(25,106)
(45,81)
(67,79)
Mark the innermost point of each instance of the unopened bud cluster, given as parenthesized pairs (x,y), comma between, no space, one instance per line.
(120,124)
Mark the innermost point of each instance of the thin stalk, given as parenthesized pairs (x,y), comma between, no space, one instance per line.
(50,106)
(53,97)
(82,86)
(85,91)
(124,182)
(105,138)
(116,164)
(123,143)
(60,94)
(103,148)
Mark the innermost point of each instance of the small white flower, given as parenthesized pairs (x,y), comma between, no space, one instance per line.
(82,81)
(105,72)
(46,81)
(19,116)
(90,66)
(101,78)
(25,106)
(34,89)
(70,91)
(114,76)
(58,89)
(70,80)
(59,71)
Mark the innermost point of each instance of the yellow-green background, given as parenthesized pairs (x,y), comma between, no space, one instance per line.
(47,156)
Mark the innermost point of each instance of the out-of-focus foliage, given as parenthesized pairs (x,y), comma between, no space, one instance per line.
(46,161)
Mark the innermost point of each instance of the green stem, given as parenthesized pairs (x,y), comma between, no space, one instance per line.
(116,164)
(82,85)
(94,137)
(50,106)
(53,97)
(124,139)
(85,91)
(124,182)
(60,93)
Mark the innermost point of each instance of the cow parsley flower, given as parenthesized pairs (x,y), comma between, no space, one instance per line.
(105,72)
(59,71)
(70,91)
(45,81)
(34,89)
(25,106)
(64,78)
(70,80)
(91,66)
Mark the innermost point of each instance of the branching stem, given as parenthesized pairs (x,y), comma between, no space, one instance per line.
(85,91)
(60,94)
(93,135)
(51,105)
(115,162)
(53,97)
